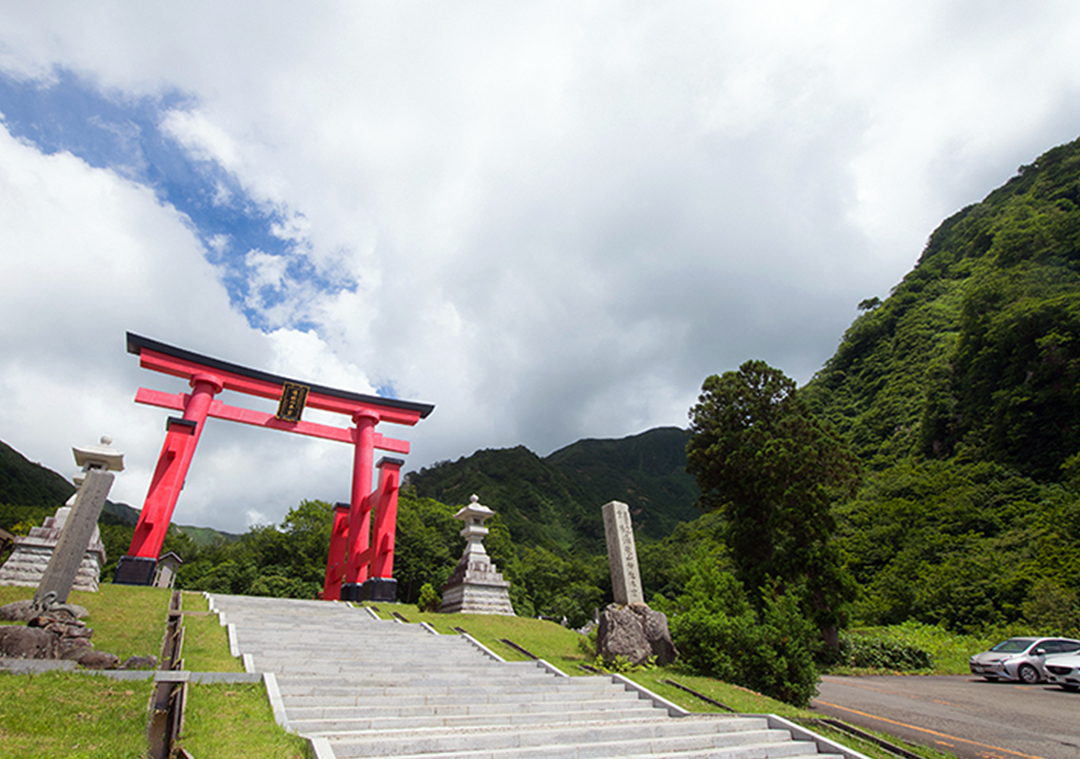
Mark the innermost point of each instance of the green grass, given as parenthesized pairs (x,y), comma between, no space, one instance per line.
(548,640)
(127,620)
(74,716)
(206,642)
(234,721)
(950,651)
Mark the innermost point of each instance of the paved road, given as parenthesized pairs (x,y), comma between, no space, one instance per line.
(962,715)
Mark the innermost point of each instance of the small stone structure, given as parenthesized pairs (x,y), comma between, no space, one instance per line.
(26,565)
(167,567)
(476,587)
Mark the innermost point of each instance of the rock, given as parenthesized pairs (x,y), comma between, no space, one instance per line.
(16,611)
(140,662)
(634,632)
(20,611)
(18,642)
(621,634)
(658,635)
(98,660)
(73,648)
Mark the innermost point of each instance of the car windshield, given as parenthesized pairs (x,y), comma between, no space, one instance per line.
(1011,646)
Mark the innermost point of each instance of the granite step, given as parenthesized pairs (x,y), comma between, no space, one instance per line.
(300,711)
(616,738)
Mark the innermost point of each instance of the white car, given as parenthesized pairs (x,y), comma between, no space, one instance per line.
(1020,658)
(1064,670)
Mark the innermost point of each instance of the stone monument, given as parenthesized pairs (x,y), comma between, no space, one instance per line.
(622,554)
(66,552)
(629,628)
(476,587)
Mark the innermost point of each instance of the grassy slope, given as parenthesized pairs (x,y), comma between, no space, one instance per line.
(78,715)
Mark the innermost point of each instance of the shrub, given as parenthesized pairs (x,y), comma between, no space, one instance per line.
(719,634)
(869,652)
(429,600)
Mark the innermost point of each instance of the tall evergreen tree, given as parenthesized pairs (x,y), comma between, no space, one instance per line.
(771,467)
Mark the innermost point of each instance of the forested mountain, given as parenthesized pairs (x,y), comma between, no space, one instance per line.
(28,484)
(977,350)
(555,501)
(960,394)
(30,492)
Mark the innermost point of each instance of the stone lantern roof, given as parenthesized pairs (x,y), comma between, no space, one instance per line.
(102,456)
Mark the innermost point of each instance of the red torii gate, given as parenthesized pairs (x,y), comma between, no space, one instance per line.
(357,567)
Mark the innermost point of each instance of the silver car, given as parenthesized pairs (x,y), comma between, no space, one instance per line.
(1064,670)
(1020,659)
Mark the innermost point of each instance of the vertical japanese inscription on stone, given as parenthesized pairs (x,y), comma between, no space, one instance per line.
(67,556)
(622,554)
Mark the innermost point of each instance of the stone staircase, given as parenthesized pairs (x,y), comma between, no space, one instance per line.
(356,686)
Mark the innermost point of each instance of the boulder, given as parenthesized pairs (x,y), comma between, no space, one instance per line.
(18,642)
(620,633)
(98,660)
(140,662)
(634,632)
(20,611)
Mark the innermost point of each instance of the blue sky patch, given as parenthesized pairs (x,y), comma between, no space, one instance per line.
(68,114)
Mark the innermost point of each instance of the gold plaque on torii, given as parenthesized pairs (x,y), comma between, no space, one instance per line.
(291,405)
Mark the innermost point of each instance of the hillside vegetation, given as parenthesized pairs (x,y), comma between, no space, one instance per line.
(960,394)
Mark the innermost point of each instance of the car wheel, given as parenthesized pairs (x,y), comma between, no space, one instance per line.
(1028,674)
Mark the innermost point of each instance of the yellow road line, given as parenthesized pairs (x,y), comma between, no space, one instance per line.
(926,730)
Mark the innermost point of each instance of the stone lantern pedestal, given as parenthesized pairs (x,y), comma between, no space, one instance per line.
(476,587)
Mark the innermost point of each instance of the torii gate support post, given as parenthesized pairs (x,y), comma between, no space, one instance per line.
(335,558)
(359,552)
(381,585)
(181,437)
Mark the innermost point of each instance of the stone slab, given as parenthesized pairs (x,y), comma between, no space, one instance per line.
(78,531)
(622,554)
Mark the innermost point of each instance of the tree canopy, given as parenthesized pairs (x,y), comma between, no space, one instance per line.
(761,457)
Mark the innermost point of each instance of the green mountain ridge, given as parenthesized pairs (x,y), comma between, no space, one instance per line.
(554,502)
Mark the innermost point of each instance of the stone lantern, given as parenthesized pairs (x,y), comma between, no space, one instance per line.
(96,457)
(476,587)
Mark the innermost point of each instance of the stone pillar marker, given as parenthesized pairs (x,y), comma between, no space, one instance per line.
(94,483)
(67,556)
(622,554)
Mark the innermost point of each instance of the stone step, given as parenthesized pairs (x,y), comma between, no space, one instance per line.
(292,683)
(368,723)
(375,688)
(420,697)
(633,737)
(555,708)
(629,750)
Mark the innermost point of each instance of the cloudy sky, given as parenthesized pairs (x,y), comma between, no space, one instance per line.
(551,220)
